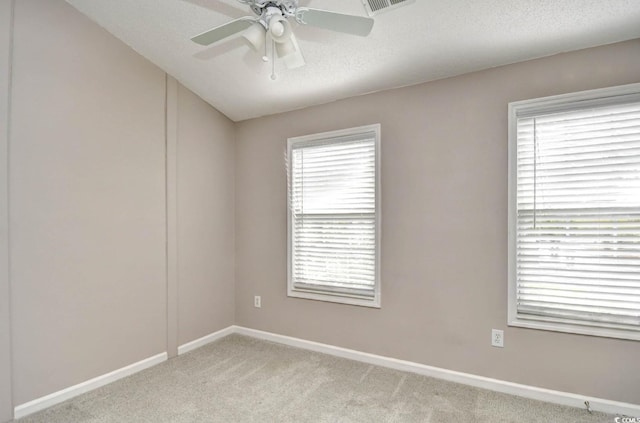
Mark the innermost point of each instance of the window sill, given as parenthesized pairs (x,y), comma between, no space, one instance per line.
(335,298)
(576,329)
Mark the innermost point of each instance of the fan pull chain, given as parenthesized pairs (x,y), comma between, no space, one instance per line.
(273,61)
(265,58)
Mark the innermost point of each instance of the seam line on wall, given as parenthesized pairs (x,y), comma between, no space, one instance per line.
(12,11)
(166,206)
(171,210)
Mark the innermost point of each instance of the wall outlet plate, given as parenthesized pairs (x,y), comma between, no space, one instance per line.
(257,301)
(497,338)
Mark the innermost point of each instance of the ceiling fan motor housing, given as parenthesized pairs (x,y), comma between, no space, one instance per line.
(272,27)
(287,7)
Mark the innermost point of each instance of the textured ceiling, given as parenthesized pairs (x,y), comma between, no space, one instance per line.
(426,40)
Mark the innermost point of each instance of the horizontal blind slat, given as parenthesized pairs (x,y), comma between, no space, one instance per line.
(578,215)
(333,218)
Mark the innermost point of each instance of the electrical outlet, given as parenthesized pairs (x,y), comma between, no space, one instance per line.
(257,301)
(497,338)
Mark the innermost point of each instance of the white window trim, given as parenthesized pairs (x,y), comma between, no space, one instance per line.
(374,302)
(541,105)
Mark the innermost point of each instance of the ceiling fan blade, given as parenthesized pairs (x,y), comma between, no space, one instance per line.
(340,22)
(223,31)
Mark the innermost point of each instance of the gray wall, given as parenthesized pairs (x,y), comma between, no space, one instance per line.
(88,205)
(87,200)
(89,223)
(205,212)
(444,229)
(6,411)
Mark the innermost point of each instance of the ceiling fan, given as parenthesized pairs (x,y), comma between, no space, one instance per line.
(271,28)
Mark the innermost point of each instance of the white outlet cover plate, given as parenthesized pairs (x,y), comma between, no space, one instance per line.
(497,338)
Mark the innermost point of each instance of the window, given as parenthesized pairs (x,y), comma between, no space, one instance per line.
(334,216)
(574,213)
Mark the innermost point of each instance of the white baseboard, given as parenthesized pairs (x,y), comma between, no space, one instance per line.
(39,404)
(190,346)
(526,391)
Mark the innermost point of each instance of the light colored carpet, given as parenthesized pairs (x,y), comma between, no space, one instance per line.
(240,379)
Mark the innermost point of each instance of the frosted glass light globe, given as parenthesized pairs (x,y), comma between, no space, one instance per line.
(277,29)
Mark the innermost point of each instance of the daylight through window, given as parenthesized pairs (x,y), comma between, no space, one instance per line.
(334,216)
(575,213)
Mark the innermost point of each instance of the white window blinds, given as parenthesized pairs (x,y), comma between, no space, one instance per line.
(577,234)
(333,215)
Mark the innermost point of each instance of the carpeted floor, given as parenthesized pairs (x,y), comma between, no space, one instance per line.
(240,379)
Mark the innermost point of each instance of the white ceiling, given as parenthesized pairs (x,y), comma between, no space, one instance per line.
(426,40)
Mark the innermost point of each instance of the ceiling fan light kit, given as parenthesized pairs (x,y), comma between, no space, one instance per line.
(280,29)
(255,36)
(272,28)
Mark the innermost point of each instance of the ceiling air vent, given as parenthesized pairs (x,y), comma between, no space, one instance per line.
(378,6)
